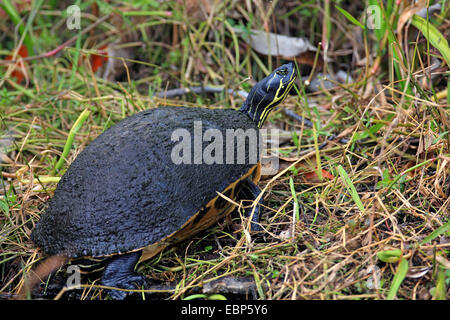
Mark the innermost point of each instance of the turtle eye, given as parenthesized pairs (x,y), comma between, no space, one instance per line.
(282,72)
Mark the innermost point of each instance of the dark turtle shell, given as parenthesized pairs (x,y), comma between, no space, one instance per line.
(124,192)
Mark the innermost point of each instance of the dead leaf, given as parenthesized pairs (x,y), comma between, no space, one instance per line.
(429,10)
(440,177)
(307,58)
(313,177)
(269,166)
(285,234)
(19,71)
(97,61)
(417,272)
(272,165)
(444,262)
(6,142)
(277,44)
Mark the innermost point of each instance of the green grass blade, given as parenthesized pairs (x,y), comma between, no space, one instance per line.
(10,9)
(350,17)
(216,296)
(433,35)
(436,233)
(440,289)
(76,56)
(81,119)
(351,188)
(400,275)
(380,29)
(390,256)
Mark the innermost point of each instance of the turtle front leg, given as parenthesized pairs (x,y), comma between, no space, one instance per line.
(119,272)
(251,191)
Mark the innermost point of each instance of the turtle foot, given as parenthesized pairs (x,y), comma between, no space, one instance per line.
(119,273)
(251,191)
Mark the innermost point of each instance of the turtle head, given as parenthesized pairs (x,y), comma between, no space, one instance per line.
(269,92)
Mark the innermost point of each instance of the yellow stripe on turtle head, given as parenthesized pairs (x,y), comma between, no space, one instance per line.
(277,99)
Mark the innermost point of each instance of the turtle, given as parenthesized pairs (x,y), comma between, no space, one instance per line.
(155,179)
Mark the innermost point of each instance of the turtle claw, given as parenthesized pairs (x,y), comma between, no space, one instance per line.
(124,281)
(119,273)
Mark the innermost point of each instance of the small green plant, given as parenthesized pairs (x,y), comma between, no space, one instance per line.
(395,256)
(388,181)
